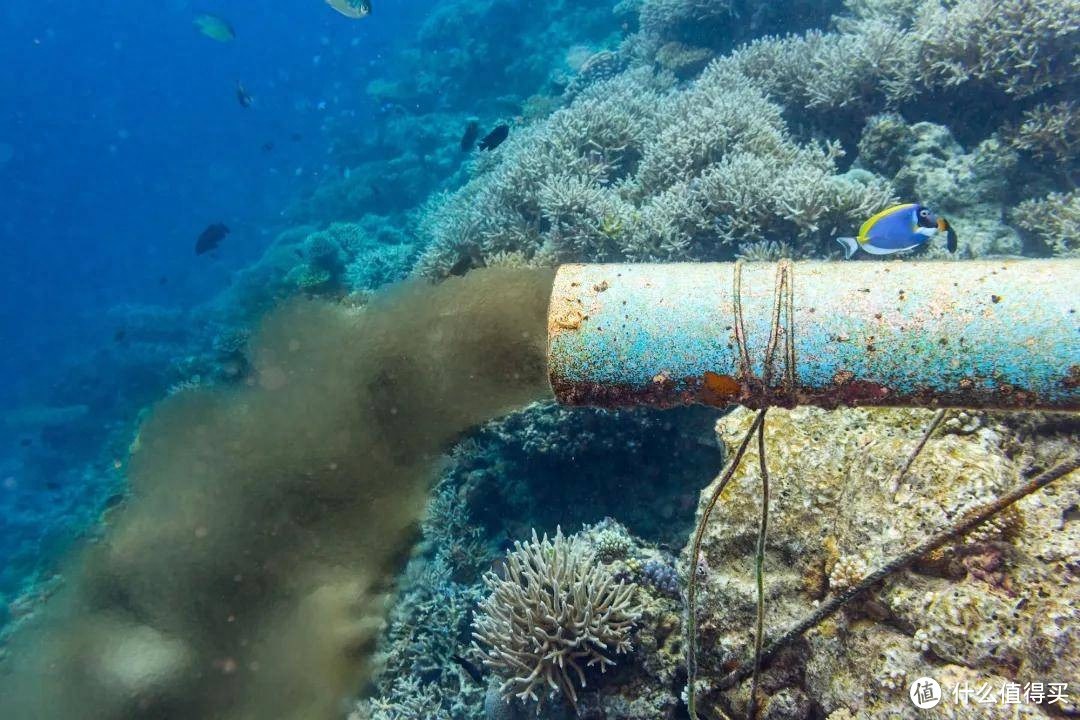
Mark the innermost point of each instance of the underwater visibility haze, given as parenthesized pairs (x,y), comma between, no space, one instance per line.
(503,359)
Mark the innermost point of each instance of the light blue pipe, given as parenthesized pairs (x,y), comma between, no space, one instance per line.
(982,334)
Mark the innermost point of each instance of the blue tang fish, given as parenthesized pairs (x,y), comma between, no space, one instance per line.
(896,229)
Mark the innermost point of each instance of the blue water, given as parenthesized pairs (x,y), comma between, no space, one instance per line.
(123,139)
(127,140)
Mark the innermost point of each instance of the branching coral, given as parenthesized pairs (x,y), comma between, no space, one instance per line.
(575,156)
(408,700)
(685,19)
(1021,46)
(889,51)
(557,610)
(635,170)
(1050,131)
(1055,220)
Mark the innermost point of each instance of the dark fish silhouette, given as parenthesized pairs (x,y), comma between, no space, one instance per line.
(495,138)
(472,131)
(26,442)
(242,95)
(296,137)
(474,672)
(163,280)
(119,335)
(268,146)
(210,238)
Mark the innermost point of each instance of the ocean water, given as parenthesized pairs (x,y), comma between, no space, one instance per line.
(329,468)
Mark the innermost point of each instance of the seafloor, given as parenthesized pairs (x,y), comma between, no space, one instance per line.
(225,568)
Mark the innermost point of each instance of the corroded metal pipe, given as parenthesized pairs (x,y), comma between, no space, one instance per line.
(982,334)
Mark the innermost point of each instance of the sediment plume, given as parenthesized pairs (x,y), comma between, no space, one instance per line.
(247,575)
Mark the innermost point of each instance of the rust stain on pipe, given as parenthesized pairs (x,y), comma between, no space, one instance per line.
(985,334)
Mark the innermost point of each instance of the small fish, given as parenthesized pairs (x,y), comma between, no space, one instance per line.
(215,28)
(296,137)
(26,442)
(897,229)
(114,500)
(268,146)
(472,131)
(355,9)
(119,335)
(242,95)
(495,138)
(163,280)
(470,667)
(210,238)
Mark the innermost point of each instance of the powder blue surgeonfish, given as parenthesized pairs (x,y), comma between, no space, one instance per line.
(896,229)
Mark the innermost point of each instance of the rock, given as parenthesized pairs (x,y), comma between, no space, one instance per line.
(998,605)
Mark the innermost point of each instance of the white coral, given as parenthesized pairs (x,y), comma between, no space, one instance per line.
(556,610)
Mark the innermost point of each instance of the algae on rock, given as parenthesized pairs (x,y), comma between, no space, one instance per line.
(1001,603)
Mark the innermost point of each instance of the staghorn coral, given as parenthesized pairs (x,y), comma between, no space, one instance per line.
(410,700)
(765,251)
(1054,220)
(577,155)
(636,170)
(888,51)
(557,611)
(448,527)
(719,24)
(1019,46)
(429,623)
(1049,132)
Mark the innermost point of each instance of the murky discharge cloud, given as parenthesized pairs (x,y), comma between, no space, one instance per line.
(247,575)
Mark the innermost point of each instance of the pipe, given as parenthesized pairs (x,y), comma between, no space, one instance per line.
(981,334)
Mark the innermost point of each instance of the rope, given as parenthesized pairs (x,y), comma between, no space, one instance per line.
(934,422)
(968,521)
(746,370)
(695,557)
(759,571)
(783,299)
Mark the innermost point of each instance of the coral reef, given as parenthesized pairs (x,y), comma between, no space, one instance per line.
(637,170)
(973,611)
(642,130)
(1053,220)
(556,611)
(547,465)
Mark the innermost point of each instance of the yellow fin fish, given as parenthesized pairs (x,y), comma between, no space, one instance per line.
(354,9)
(214,27)
(896,229)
